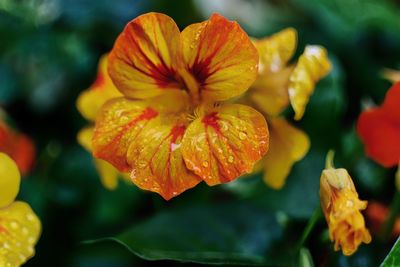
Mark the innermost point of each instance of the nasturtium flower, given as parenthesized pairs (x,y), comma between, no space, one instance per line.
(18,146)
(278,85)
(341,207)
(19,226)
(171,129)
(379,129)
(88,104)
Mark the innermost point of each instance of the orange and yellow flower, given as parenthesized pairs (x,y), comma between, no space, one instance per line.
(18,146)
(341,207)
(88,104)
(279,84)
(19,226)
(170,129)
(379,129)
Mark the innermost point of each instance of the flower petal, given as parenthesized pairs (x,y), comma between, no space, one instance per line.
(145,58)
(269,92)
(9,180)
(90,101)
(312,66)
(380,136)
(19,231)
(121,120)
(392,75)
(220,56)
(391,103)
(287,146)
(225,143)
(108,174)
(156,158)
(18,146)
(85,137)
(276,51)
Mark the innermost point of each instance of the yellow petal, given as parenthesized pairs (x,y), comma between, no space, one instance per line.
(276,51)
(312,66)
(90,101)
(220,56)
(269,92)
(121,120)
(85,136)
(9,180)
(392,75)
(225,143)
(156,158)
(287,146)
(146,59)
(108,174)
(19,231)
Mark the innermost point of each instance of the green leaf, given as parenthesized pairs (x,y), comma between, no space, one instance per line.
(393,258)
(298,198)
(213,234)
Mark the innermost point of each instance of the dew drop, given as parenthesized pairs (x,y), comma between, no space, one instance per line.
(349,203)
(242,135)
(224,127)
(30,217)
(205,164)
(142,164)
(25,231)
(230,159)
(14,225)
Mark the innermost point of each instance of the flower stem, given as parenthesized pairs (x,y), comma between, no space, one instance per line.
(317,214)
(329,159)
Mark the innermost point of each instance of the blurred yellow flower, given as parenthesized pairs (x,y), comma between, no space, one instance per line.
(392,75)
(19,226)
(279,84)
(341,207)
(88,104)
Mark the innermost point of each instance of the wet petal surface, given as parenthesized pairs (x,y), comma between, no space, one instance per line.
(225,143)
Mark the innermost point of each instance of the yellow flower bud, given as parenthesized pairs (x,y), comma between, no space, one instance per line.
(341,207)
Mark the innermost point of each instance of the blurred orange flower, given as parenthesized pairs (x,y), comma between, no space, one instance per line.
(279,84)
(88,104)
(341,207)
(377,214)
(169,129)
(19,226)
(379,129)
(18,146)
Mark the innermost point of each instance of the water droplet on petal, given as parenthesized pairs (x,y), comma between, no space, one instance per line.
(242,135)
(224,127)
(205,164)
(142,164)
(349,203)
(230,159)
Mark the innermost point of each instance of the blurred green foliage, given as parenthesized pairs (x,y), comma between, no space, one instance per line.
(48,54)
